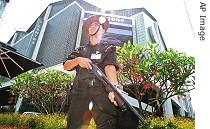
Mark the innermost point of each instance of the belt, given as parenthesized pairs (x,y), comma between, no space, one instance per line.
(88,82)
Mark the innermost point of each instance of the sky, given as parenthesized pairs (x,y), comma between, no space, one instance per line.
(178,26)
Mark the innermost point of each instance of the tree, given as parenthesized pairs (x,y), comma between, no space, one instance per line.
(44,89)
(1,80)
(153,75)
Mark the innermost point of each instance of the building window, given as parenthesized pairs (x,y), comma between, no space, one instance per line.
(2,6)
(151,35)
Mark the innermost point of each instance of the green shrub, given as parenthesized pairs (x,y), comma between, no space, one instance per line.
(58,121)
(55,121)
(8,119)
(172,123)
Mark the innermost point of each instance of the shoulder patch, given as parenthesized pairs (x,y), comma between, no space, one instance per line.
(77,52)
(110,48)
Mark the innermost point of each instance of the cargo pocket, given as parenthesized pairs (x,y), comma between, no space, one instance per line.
(103,103)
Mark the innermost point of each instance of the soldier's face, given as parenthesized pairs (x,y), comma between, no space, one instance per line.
(94,27)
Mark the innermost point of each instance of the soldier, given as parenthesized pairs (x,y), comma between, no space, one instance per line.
(88,98)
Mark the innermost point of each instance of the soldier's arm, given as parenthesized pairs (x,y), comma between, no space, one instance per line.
(70,64)
(111,73)
(81,61)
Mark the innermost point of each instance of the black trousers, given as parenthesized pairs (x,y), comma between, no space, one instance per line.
(88,99)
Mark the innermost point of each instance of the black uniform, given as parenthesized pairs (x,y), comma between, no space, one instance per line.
(88,97)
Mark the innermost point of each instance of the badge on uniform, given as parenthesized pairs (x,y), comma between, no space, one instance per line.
(96,55)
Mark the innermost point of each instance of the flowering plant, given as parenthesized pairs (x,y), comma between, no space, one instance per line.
(152,76)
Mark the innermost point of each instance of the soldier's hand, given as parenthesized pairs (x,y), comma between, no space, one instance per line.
(111,98)
(84,62)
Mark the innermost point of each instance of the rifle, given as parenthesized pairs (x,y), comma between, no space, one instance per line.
(121,101)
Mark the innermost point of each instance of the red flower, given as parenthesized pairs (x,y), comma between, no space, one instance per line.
(10,100)
(139,78)
(147,86)
(154,72)
(133,70)
(141,93)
